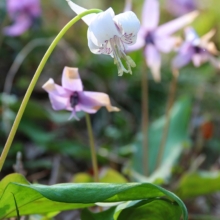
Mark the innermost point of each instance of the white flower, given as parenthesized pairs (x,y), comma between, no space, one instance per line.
(110,34)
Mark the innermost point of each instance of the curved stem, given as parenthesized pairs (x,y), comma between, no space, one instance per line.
(34,81)
(21,56)
(170,102)
(92,147)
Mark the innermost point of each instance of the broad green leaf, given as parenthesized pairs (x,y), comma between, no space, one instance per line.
(151,209)
(36,198)
(29,201)
(16,206)
(200,183)
(177,135)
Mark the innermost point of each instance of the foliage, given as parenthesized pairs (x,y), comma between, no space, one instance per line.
(73,196)
(56,150)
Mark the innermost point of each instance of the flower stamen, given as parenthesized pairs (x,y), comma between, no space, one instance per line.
(118,49)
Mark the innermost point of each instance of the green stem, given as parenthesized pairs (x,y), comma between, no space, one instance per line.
(34,81)
(3,23)
(92,146)
(145,120)
(171,98)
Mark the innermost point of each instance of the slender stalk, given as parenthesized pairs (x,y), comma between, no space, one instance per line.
(199,139)
(92,147)
(34,81)
(3,23)
(145,120)
(170,101)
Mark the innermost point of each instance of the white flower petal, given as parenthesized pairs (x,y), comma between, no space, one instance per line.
(128,25)
(191,35)
(77,9)
(103,27)
(93,48)
(140,42)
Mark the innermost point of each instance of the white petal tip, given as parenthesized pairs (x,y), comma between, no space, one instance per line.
(49,85)
(192,15)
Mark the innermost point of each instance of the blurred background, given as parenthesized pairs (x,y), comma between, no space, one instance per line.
(54,149)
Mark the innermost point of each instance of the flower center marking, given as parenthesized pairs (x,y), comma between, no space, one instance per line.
(74,99)
(198,49)
(149,39)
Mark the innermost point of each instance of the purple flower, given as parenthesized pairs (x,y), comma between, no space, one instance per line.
(23,13)
(157,39)
(195,49)
(180,7)
(70,95)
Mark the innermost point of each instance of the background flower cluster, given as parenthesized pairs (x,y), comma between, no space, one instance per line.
(55,149)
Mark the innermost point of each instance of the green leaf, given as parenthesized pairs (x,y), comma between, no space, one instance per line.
(31,109)
(42,199)
(35,133)
(16,206)
(177,135)
(200,183)
(151,209)
(29,201)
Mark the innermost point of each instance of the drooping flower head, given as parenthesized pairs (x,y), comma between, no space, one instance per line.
(180,7)
(70,95)
(157,39)
(111,34)
(195,49)
(22,13)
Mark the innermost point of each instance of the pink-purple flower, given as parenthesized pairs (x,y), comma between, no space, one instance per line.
(180,7)
(22,13)
(70,95)
(158,39)
(195,49)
